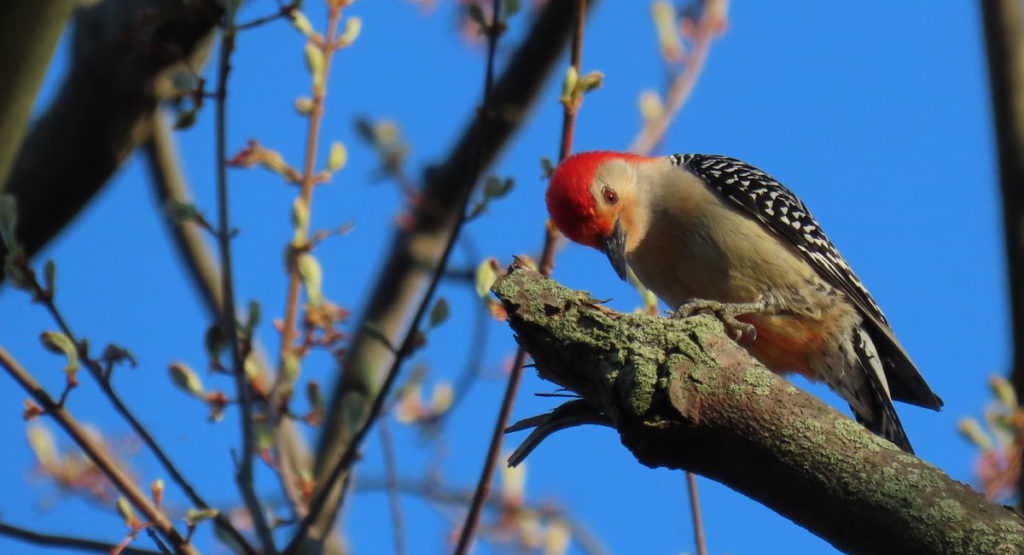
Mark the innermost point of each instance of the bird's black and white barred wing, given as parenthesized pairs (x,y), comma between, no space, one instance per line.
(781,212)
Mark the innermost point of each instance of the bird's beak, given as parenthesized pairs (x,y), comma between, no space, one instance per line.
(614,246)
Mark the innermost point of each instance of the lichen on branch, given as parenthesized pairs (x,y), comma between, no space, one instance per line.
(682,395)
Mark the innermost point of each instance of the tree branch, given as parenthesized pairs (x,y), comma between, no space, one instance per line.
(123,55)
(67,542)
(121,479)
(684,396)
(29,31)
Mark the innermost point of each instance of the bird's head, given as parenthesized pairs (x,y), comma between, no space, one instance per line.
(593,199)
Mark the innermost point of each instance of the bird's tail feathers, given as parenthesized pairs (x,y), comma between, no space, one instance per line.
(873,407)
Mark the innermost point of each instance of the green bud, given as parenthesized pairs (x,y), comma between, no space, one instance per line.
(591,81)
(971,430)
(302,24)
(57,342)
(1003,391)
(486,275)
(312,277)
(304,105)
(124,508)
(353,26)
(186,379)
(569,86)
(337,157)
(315,64)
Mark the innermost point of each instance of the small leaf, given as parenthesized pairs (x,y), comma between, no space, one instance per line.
(971,430)
(441,398)
(496,188)
(337,157)
(476,13)
(195,516)
(557,537)
(546,166)
(57,342)
(569,86)
(181,212)
(1003,391)
(651,106)
(186,379)
(510,7)
(312,277)
(252,319)
(40,439)
(439,313)
(215,341)
(185,119)
(315,64)
(353,26)
(486,275)
(301,23)
(591,81)
(304,105)
(124,508)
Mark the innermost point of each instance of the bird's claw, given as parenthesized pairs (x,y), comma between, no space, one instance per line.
(741,332)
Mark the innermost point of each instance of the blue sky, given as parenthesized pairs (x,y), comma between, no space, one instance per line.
(876,116)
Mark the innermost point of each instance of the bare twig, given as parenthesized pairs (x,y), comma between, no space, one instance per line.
(391,473)
(99,456)
(698,525)
(66,542)
(103,380)
(228,320)
(547,263)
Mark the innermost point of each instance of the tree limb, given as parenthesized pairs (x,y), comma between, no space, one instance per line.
(122,56)
(684,396)
(29,31)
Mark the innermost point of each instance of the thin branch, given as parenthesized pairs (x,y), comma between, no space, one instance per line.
(66,542)
(547,262)
(99,456)
(708,27)
(170,185)
(228,320)
(391,471)
(103,380)
(698,524)
(407,346)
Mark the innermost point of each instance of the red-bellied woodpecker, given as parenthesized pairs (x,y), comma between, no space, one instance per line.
(711,232)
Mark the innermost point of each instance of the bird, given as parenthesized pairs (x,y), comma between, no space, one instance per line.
(710,233)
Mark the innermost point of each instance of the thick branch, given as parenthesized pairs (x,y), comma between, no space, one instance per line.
(682,395)
(29,31)
(122,56)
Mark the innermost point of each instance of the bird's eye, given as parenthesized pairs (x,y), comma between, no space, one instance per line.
(610,196)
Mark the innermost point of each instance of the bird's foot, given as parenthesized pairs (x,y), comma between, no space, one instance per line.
(740,332)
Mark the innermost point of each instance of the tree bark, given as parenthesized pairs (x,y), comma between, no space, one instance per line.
(682,395)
